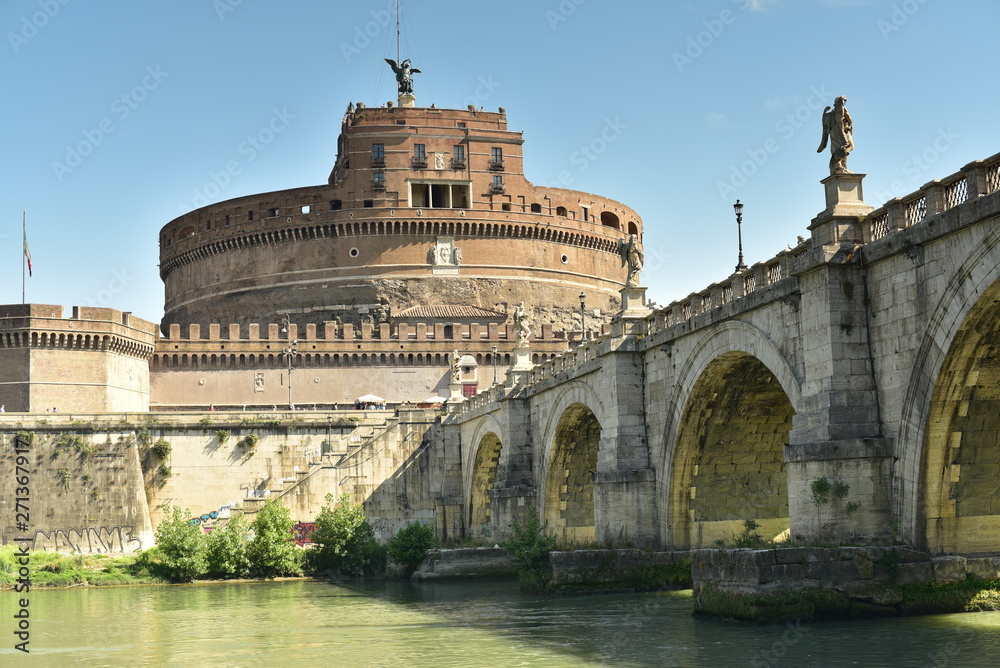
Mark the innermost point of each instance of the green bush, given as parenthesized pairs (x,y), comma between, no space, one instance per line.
(226,550)
(249,442)
(222,435)
(180,545)
(529,549)
(409,547)
(272,552)
(345,541)
(143,436)
(162,448)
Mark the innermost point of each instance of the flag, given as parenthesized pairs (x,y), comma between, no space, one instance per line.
(27,253)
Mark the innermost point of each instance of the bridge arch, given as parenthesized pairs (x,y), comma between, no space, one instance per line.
(481,474)
(947,447)
(572,440)
(724,444)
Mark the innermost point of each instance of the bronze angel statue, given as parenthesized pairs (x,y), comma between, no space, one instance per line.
(404,75)
(838,128)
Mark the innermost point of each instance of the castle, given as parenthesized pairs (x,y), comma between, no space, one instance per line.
(424,239)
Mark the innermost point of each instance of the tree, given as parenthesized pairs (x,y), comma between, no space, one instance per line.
(409,547)
(272,552)
(226,552)
(180,545)
(345,540)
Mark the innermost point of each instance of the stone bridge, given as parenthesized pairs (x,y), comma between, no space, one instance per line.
(846,390)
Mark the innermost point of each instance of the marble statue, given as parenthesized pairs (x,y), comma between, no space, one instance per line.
(838,129)
(632,255)
(521,328)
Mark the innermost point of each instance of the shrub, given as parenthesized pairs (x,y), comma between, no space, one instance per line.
(164,471)
(272,552)
(226,549)
(529,549)
(143,436)
(409,546)
(250,443)
(345,540)
(222,435)
(750,536)
(180,546)
(162,448)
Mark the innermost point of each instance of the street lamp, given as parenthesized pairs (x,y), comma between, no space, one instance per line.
(293,348)
(583,317)
(495,349)
(738,207)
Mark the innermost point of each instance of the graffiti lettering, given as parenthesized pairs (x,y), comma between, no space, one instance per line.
(302,533)
(99,540)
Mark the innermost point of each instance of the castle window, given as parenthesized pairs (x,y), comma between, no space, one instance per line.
(227,219)
(461,125)
(609,219)
(336,205)
(419,156)
(497,186)
(458,157)
(274,212)
(369,204)
(379,178)
(496,158)
(249,215)
(586,213)
(561,211)
(505,206)
(536,207)
(306,209)
(378,154)
(633,228)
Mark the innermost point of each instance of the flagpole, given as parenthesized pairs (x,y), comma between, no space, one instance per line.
(24,240)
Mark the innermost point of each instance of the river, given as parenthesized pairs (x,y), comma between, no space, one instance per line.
(303,623)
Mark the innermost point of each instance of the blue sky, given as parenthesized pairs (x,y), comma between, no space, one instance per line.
(674,108)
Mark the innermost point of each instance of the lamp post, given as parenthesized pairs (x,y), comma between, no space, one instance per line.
(495,349)
(738,207)
(583,317)
(293,347)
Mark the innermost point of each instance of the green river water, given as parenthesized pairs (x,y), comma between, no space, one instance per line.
(300,623)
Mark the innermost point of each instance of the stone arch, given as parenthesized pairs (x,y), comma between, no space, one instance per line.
(568,499)
(730,348)
(483,475)
(728,463)
(954,379)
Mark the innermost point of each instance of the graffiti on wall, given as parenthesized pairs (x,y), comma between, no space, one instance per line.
(302,533)
(207,521)
(94,540)
(384,527)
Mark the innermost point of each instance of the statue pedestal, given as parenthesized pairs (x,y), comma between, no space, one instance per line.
(633,314)
(845,206)
(456,393)
(407,100)
(518,374)
(634,302)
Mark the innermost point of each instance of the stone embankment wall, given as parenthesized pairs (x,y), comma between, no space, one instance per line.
(99,483)
(461,563)
(81,492)
(592,571)
(809,583)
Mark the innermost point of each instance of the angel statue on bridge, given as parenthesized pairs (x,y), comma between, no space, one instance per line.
(839,129)
(632,255)
(404,75)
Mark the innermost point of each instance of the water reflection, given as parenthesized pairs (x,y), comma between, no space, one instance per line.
(470,624)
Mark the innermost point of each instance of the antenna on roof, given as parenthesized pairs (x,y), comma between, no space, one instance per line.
(398,3)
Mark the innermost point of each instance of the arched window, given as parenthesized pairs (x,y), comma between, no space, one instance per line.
(609,219)
(561,211)
(536,207)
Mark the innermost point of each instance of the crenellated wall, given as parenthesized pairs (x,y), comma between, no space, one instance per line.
(95,360)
